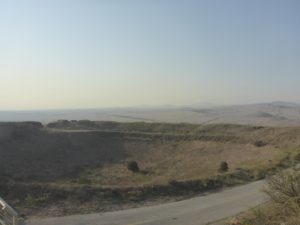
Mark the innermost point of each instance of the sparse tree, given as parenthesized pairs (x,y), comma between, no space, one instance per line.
(223,167)
(259,143)
(133,166)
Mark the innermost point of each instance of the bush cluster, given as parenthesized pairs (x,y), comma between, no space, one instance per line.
(223,167)
(133,166)
(284,208)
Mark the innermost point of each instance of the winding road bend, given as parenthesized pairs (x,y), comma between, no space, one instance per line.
(196,211)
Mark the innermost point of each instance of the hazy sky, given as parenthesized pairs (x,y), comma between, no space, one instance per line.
(103,53)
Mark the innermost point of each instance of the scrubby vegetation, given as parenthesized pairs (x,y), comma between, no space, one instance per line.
(223,167)
(284,206)
(133,166)
(259,143)
(71,162)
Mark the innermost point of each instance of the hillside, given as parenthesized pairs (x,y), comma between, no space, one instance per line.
(30,151)
(55,164)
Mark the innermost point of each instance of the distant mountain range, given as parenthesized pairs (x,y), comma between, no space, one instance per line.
(266,114)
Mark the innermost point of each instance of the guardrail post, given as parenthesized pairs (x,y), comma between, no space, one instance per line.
(8,216)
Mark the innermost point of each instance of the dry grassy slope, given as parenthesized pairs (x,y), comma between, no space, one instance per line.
(164,151)
(163,162)
(196,154)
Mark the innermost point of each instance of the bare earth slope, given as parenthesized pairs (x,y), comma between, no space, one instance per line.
(195,211)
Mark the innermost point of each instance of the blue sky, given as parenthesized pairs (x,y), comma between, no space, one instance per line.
(89,53)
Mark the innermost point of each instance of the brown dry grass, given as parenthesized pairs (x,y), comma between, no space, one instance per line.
(73,159)
(197,157)
(162,162)
(164,152)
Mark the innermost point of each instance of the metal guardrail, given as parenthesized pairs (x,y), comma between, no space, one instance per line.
(8,216)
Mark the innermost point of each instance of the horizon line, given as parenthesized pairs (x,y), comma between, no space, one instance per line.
(195,105)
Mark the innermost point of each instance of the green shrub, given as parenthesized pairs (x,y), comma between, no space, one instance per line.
(259,143)
(223,167)
(30,201)
(284,189)
(284,207)
(133,166)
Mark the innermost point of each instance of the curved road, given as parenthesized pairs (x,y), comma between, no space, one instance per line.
(196,211)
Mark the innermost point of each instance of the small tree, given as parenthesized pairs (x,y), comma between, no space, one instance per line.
(133,166)
(223,167)
(259,143)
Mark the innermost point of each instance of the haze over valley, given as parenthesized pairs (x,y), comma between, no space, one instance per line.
(266,114)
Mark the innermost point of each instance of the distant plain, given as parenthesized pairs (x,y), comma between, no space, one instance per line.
(267,114)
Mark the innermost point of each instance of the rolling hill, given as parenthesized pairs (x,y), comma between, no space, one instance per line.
(266,114)
(54,168)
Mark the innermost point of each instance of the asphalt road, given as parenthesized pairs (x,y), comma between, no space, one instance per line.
(196,211)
